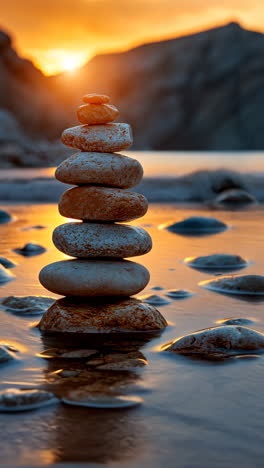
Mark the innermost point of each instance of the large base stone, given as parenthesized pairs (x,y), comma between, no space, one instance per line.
(102,315)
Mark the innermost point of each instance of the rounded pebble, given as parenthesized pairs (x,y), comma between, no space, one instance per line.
(154,299)
(96,98)
(5,275)
(15,400)
(93,278)
(86,240)
(102,138)
(30,249)
(102,204)
(105,401)
(195,225)
(87,316)
(215,261)
(96,114)
(107,169)
(243,284)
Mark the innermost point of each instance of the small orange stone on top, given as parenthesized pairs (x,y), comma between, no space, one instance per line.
(96,98)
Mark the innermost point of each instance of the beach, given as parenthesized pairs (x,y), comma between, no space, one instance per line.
(196,412)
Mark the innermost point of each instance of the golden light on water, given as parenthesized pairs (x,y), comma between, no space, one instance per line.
(54,61)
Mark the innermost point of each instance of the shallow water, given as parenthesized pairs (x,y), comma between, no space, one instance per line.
(195,413)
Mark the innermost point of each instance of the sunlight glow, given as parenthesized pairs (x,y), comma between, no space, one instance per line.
(54,61)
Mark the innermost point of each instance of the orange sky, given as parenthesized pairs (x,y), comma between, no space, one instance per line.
(62,34)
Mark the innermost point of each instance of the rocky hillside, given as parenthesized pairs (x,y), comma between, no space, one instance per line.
(199,92)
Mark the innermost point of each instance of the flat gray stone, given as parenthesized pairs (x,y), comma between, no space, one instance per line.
(251,285)
(215,261)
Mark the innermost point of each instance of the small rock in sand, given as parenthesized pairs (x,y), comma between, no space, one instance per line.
(251,285)
(27,305)
(5,275)
(236,321)
(154,299)
(196,225)
(14,400)
(234,198)
(216,261)
(178,293)
(7,263)
(223,341)
(30,249)
(103,401)
(5,217)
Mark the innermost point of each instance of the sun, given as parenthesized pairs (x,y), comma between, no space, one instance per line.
(53,61)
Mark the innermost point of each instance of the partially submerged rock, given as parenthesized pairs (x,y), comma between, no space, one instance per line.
(27,305)
(154,299)
(234,198)
(119,361)
(6,263)
(15,400)
(222,341)
(178,293)
(102,315)
(216,261)
(251,285)
(30,249)
(103,401)
(5,217)
(196,225)
(5,275)
(236,321)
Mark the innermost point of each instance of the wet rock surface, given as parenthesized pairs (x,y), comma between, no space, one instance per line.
(155,299)
(102,401)
(196,225)
(178,294)
(30,249)
(216,261)
(222,341)
(27,305)
(251,285)
(15,400)
(5,217)
(7,263)
(236,321)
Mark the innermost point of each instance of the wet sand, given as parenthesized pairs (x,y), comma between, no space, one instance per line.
(196,413)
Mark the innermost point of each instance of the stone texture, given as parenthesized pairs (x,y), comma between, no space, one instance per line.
(240,284)
(91,278)
(108,169)
(96,114)
(102,138)
(225,340)
(76,316)
(84,240)
(102,204)
(96,98)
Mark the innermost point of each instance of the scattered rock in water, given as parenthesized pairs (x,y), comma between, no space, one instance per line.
(236,321)
(14,400)
(68,373)
(119,361)
(29,228)
(250,285)
(30,249)
(221,341)
(157,288)
(27,305)
(216,261)
(154,299)
(196,225)
(103,315)
(7,263)
(123,365)
(66,354)
(5,275)
(7,352)
(5,217)
(234,198)
(103,401)
(179,293)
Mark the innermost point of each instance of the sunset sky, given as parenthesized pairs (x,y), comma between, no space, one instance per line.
(60,35)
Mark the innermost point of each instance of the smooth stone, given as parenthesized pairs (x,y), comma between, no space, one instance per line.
(7,263)
(30,249)
(27,305)
(157,288)
(5,217)
(96,114)
(86,240)
(14,400)
(234,197)
(216,261)
(178,293)
(154,299)
(93,278)
(6,353)
(104,401)
(236,321)
(76,316)
(243,284)
(5,275)
(57,353)
(108,169)
(94,98)
(102,204)
(196,224)
(226,340)
(102,138)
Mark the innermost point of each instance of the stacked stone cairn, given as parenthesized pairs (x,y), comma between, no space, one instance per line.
(98,282)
